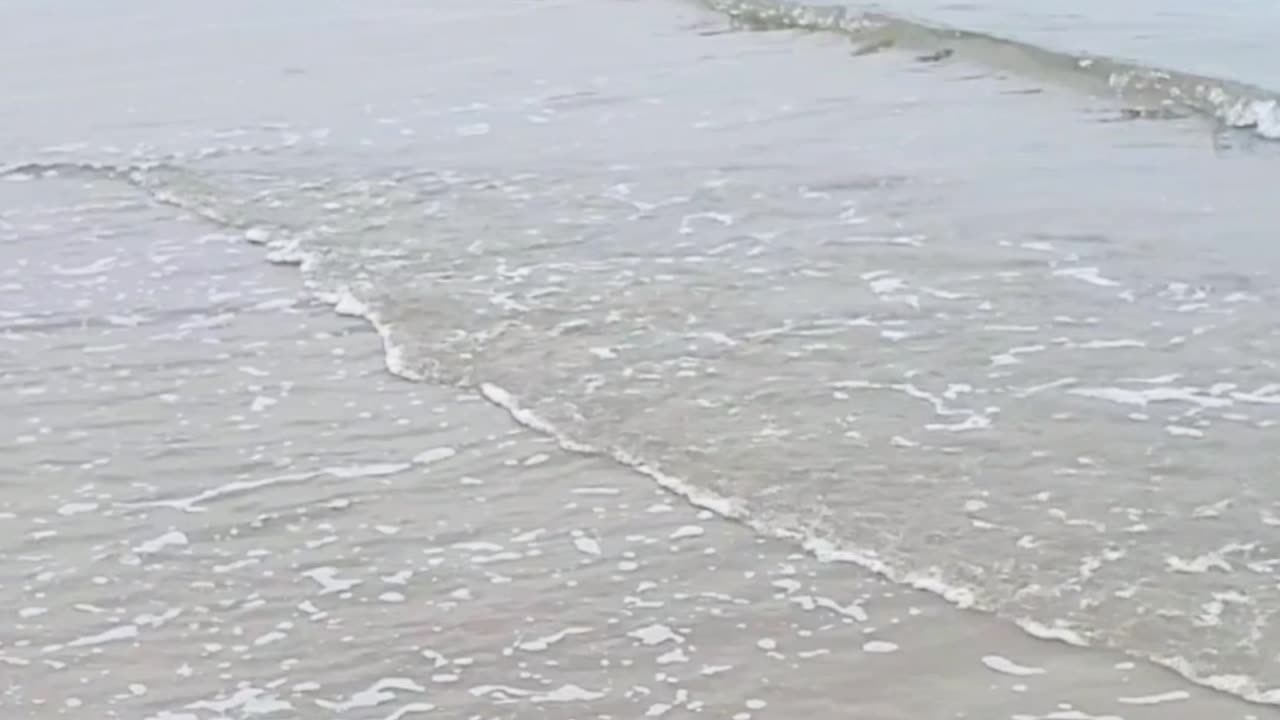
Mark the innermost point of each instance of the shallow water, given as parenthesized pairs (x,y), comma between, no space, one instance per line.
(964,324)
(227,508)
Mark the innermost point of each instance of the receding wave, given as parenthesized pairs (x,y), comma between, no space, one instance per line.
(1147,90)
(424,343)
(811,421)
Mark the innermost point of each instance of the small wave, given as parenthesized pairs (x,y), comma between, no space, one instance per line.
(290,247)
(31,169)
(740,511)
(827,550)
(1151,91)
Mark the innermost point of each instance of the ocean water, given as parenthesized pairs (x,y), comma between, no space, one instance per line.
(1232,40)
(973,300)
(1163,59)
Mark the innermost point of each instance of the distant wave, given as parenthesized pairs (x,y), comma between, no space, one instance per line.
(1147,89)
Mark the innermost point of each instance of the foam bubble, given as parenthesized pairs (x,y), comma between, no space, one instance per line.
(568,693)
(122,632)
(1002,664)
(258,235)
(1090,275)
(434,455)
(879,646)
(77,508)
(674,656)
(687,531)
(1156,699)
(542,643)
(473,130)
(383,691)
(328,580)
(173,538)
(655,635)
(586,545)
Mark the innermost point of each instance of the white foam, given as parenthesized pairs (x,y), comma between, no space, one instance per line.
(77,508)
(173,538)
(192,503)
(879,647)
(500,397)
(347,304)
(1052,385)
(1110,344)
(536,459)
(686,222)
(542,643)
(672,657)
(1090,275)
(1267,395)
(415,707)
(1142,398)
(655,635)
(473,130)
(596,491)
(853,610)
(96,267)
(586,545)
(568,693)
(1239,685)
(348,472)
(261,403)
(434,455)
(268,638)
(1056,632)
(478,546)
(1157,699)
(328,580)
(1004,665)
(436,658)
(381,692)
(973,422)
(258,235)
(122,632)
(1198,565)
(500,694)
(1065,715)
(687,531)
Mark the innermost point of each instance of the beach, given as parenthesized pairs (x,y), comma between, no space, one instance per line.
(479,368)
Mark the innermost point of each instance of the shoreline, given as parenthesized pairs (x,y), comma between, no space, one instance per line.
(234,506)
(659,585)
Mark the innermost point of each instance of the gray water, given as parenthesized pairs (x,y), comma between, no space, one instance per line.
(1234,39)
(964,323)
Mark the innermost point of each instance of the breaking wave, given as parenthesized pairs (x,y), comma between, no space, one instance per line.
(1149,91)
